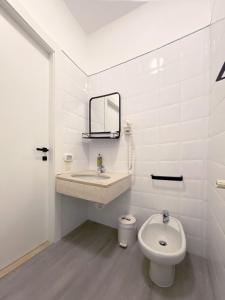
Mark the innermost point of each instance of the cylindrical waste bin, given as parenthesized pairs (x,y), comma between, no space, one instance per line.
(127,230)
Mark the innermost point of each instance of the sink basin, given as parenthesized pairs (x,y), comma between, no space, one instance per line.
(91,186)
(88,177)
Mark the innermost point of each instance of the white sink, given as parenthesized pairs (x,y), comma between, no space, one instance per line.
(91,186)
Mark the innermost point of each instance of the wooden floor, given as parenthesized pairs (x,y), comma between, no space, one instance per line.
(89,265)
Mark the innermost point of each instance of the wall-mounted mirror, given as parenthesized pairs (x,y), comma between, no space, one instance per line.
(105,116)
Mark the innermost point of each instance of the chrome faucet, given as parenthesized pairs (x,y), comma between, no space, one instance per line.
(166,216)
(100,167)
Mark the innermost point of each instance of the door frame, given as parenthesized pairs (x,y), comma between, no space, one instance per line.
(21,17)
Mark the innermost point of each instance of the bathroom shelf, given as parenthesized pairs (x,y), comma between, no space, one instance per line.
(169,178)
(101,135)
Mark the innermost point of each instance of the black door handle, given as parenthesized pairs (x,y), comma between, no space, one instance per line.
(43,149)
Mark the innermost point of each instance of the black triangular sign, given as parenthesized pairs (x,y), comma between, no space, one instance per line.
(221,73)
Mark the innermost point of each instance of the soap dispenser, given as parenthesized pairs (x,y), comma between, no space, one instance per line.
(100,167)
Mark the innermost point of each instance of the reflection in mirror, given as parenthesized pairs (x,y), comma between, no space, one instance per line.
(112,113)
(98,115)
(105,114)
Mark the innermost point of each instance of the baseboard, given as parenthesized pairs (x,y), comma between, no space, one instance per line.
(20,261)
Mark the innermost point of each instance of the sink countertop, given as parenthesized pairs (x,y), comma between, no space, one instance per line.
(114,177)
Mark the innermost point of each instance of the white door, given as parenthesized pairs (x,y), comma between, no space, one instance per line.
(24,98)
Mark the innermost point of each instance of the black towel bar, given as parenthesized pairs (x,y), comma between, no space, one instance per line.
(170,178)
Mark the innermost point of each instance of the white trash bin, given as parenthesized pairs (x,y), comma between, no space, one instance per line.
(127,231)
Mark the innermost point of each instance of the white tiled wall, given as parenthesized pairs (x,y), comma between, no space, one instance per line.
(216,166)
(165,95)
(71,119)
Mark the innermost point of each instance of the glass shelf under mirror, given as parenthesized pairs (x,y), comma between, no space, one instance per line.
(101,135)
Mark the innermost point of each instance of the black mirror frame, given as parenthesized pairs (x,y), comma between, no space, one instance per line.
(105,132)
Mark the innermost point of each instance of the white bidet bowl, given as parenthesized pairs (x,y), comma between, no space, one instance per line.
(164,245)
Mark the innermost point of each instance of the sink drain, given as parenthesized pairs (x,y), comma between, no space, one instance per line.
(163,243)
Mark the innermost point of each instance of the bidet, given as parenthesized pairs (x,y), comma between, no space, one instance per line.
(164,244)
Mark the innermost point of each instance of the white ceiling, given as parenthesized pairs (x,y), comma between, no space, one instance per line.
(94,14)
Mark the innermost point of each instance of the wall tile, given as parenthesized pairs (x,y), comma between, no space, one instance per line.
(195,109)
(169,152)
(195,169)
(194,150)
(71,121)
(169,115)
(194,130)
(195,87)
(169,134)
(170,94)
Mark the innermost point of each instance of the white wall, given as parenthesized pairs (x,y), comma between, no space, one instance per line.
(218,10)
(148,27)
(216,165)
(55,19)
(165,95)
(71,121)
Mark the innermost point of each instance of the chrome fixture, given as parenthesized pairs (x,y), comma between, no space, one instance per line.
(166,216)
